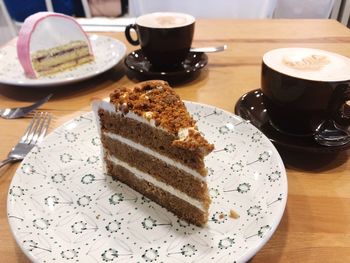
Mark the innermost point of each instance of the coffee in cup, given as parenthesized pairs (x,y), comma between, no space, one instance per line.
(305,93)
(165,37)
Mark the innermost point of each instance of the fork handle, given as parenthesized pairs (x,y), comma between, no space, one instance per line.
(8,160)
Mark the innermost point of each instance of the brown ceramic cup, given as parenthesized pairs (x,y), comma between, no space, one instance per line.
(165,38)
(305,93)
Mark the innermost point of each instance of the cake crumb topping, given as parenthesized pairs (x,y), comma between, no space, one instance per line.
(194,141)
(156,100)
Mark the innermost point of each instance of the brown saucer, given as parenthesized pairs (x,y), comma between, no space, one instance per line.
(251,107)
(140,68)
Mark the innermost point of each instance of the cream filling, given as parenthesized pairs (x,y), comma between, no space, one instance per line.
(167,188)
(155,154)
(109,107)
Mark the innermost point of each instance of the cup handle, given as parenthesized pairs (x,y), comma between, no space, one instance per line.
(336,130)
(132,41)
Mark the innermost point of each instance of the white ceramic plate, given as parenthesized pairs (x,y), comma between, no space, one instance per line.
(62,208)
(108,52)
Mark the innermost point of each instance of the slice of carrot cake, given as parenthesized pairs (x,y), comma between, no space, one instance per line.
(151,143)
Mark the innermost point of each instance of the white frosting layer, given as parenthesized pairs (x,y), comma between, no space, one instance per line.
(109,107)
(54,31)
(155,154)
(143,176)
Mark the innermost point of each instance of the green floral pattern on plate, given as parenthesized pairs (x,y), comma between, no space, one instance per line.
(62,208)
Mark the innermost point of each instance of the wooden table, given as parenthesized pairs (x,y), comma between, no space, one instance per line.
(316,223)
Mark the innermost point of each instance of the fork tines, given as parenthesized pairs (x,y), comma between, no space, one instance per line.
(37,129)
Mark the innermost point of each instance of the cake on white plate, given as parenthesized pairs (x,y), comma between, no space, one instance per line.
(49,43)
(151,143)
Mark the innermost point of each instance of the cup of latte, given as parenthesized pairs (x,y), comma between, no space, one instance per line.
(305,93)
(165,37)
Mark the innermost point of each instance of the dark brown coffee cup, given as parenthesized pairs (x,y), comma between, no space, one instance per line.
(305,93)
(165,38)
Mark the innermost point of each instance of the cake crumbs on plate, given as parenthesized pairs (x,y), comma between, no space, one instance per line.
(233,214)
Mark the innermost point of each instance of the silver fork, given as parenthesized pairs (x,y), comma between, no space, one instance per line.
(34,134)
(13,113)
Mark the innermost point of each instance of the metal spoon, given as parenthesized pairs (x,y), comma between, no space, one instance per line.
(13,113)
(209,49)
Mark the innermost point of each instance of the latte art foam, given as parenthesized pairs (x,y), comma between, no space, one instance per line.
(165,20)
(307,63)
(311,62)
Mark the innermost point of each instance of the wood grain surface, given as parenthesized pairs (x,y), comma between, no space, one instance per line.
(316,223)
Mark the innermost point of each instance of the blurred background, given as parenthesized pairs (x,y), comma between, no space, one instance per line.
(13,12)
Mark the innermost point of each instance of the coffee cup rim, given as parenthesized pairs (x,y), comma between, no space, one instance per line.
(296,74)
(190,18)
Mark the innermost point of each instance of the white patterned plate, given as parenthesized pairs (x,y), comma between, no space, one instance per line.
(108,52)
(62,208)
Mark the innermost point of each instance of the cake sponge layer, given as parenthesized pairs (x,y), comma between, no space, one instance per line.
(160,170)
(180,208)
(154,138)
(76,51)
